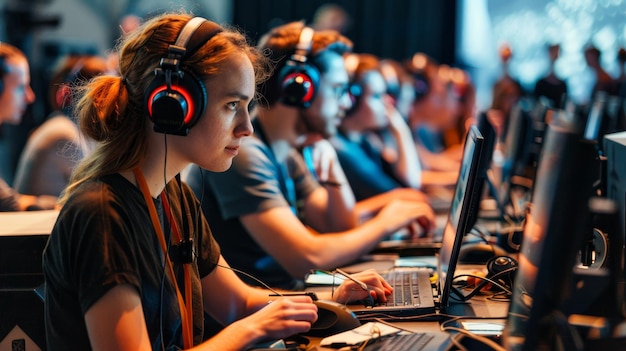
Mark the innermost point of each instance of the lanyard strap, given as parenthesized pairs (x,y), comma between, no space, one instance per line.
(186,266)
(185,310)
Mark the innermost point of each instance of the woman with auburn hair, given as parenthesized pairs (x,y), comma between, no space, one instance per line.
(131,263)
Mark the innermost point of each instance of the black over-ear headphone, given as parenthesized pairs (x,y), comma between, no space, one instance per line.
(299,79)
(176,98)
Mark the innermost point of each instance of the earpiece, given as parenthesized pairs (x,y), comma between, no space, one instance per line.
(63,95)
(355,90)
(177,98)
(299,79)
(422,87)
(3,71)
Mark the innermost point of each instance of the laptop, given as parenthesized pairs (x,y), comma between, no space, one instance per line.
(462,209)
(430,244)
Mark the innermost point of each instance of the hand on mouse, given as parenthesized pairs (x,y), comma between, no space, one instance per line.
(377,288)
(283,317)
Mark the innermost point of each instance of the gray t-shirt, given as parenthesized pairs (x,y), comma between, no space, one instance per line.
(256,182)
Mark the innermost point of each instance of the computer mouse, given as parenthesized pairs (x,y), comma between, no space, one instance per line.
(479,252)
(332,318)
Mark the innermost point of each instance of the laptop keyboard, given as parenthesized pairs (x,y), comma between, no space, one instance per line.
(405,287)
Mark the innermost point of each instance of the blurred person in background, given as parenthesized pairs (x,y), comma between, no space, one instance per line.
(53,149)
(551,87)
(15,95)
(372,164)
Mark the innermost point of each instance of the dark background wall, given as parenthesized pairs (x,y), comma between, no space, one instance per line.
(387,28)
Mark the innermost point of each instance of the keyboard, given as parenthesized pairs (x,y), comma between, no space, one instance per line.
(412,295)
(405,285)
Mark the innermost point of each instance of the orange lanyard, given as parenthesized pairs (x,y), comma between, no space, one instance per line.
(186,311)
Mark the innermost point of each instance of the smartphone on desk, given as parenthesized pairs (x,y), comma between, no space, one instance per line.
(491,327)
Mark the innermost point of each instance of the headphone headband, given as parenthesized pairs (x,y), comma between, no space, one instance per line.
(303,48)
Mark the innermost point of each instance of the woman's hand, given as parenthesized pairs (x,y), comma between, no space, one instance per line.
(350,291)
(282,317)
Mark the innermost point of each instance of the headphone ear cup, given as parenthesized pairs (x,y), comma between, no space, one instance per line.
(63,96)
(298,84)
(176,109)
(3,71)
(355,91)
(422,87)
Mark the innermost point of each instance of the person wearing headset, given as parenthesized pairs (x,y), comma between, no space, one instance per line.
(53,148)
(372,166)
(15,96)
(131,263)
(272,216)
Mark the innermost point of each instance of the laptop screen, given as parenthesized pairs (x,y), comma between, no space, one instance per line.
(459,214)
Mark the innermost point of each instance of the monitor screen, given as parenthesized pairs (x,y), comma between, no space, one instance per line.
(488,131)
(457,224)
(556,225)
(594,119)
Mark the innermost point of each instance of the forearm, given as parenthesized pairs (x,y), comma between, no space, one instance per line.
(338,249)
(340,213)
(407,167)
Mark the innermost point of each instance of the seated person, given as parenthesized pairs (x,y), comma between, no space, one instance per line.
(15,95)
(272,217)
(114,277)
(433,111)
(373,168)
(52,150)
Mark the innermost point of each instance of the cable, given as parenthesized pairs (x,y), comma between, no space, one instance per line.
(252,277)
(485,281)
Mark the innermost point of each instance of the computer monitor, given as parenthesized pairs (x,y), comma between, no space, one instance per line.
(593,125)
(615,149)
(487,130)
(460,212)
(517,140)
(556,225)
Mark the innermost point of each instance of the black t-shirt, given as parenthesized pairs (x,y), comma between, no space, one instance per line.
(104,237)
(553,89)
